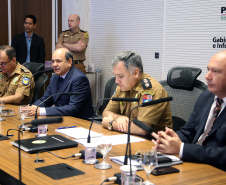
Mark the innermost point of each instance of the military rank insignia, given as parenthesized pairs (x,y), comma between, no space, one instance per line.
(146,83)
(25,80)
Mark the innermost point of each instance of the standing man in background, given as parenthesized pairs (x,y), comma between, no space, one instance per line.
(75,40)
(29,46)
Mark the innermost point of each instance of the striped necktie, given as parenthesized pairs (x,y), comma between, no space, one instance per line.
(216,111)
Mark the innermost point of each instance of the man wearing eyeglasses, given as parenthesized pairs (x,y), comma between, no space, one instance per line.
(15,79)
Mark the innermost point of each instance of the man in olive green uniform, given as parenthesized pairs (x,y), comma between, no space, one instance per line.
(15,79)
(75,40)
(133,83)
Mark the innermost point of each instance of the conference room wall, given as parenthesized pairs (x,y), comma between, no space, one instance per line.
(181,32)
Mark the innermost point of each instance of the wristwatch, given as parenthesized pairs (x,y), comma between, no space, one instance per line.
(110,126)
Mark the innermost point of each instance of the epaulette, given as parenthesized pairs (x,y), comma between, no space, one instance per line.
(83,31)
(146,83)
(25,69)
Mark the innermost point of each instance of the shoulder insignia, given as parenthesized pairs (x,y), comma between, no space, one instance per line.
(65,36)
(25,80)
(86,35)
(146,83)
(25,70)
(147,98)
(1,77)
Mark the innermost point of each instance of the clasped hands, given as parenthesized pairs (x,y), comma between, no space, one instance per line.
(32,110)
(167,142)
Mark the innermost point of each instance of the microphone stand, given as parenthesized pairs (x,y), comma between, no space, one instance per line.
(95,111)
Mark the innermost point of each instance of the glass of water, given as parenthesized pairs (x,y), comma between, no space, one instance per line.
(2,106)
(23,112)
(148,160)
(104,146)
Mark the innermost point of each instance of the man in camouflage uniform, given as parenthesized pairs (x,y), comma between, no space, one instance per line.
(133,83)
(75,40)
(15,79)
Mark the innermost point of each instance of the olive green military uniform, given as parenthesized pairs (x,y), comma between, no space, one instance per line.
(147,89)
(72,38)
(18,82)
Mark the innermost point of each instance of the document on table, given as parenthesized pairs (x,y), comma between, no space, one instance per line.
(116,139)
(78,132)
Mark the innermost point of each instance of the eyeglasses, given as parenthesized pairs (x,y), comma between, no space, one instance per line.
(4,64)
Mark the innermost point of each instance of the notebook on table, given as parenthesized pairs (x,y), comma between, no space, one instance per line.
(51,142)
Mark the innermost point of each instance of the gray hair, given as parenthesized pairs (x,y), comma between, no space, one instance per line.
(68,55)
(131,60)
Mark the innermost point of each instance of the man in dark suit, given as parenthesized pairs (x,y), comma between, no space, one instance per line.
(203,138)
(29,46)
(67,78)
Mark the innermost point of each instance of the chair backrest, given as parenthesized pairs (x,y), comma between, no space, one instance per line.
(183,86)
(108,92)
(34,67)
(39,83)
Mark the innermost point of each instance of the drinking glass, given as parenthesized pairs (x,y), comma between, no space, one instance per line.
(104,146)
(2,106)
(23,112)
(148,160)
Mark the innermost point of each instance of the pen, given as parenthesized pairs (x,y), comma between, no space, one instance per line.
(66,127)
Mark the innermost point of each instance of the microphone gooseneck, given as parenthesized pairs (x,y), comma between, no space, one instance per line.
(62,93)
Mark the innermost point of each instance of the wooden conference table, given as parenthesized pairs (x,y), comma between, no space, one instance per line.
(190,173)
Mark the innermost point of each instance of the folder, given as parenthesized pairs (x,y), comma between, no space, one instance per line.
(51,142)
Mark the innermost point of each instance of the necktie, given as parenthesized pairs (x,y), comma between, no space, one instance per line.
(210,125)
(61,80)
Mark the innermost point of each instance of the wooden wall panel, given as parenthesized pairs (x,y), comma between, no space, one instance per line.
(4,22)
(42,9)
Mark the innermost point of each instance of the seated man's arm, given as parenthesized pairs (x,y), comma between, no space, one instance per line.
(15,99)
(120,123)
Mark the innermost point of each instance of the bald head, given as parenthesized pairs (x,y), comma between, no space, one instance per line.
(62,61)
(216,75)
(73,22)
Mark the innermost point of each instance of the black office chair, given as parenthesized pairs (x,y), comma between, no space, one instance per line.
(34,67)
(183,86)
(39,83)
(108,92)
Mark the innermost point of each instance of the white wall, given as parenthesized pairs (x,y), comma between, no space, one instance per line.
(181,31)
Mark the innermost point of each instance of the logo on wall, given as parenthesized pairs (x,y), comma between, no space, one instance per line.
(223,13)
(219,42)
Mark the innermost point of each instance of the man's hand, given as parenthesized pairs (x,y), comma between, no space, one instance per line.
(122,123)
(32,110)
(167,142)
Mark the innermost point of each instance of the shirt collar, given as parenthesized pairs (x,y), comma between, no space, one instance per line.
(64,76)
(26,35)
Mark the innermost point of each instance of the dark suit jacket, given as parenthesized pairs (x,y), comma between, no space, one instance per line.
(37,51)
(69,105)
(213,150)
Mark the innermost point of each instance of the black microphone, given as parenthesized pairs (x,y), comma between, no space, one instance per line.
(62,93)
(39,72)
(153,102)
(95,111)
(37,122)
(143,126)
